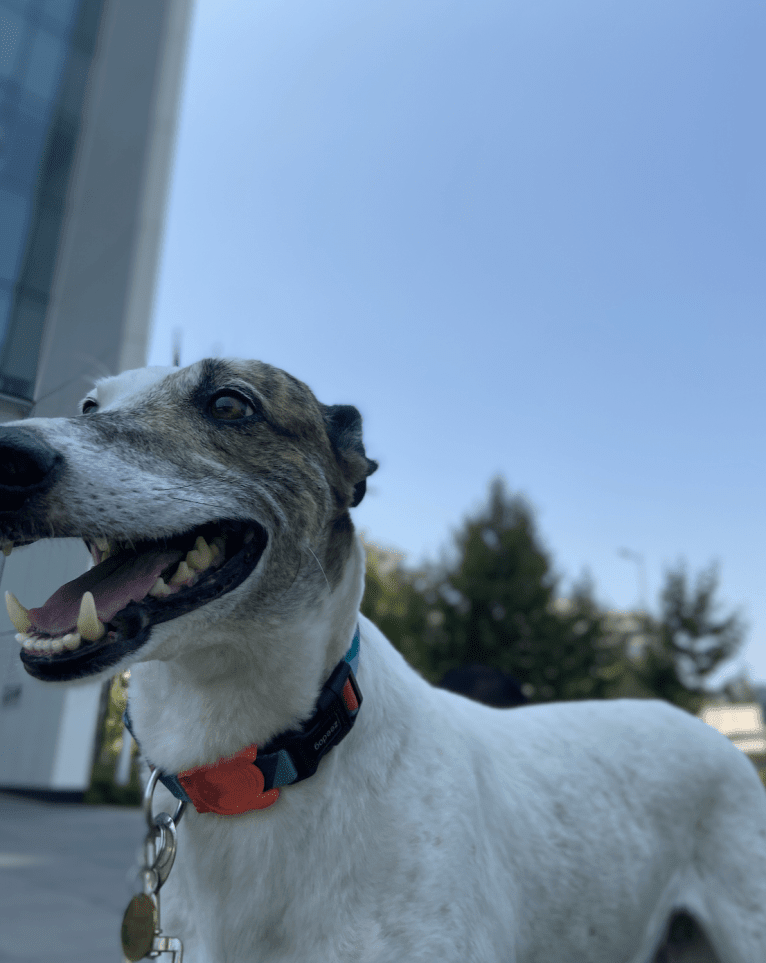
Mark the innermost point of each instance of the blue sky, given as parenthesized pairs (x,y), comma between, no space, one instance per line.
(524,239)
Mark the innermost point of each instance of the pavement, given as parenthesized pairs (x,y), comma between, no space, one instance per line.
(66,876)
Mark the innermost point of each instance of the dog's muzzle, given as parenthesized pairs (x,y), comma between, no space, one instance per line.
(92,622)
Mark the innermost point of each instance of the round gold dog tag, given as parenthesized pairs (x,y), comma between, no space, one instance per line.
(138,926)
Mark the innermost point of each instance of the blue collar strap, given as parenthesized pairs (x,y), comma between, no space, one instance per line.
(238,784)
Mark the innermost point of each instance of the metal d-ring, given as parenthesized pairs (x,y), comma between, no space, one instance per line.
(162,828)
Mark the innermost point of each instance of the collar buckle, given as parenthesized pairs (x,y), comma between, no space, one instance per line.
(336,710)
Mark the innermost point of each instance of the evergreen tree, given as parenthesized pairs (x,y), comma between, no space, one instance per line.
(498,608)
(680,649)
(393,602)
(494,602)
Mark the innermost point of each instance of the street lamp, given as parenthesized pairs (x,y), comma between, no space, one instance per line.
(638,558)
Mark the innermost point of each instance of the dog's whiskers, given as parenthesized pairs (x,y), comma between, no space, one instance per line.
(320,568)
(180,498)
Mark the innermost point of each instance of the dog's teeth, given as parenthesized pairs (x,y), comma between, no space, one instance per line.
(182,574)
(104,548)
(201,556)
(159,590)
(18,614)
(249,536)
(34,644)
(88,624)
(7,549)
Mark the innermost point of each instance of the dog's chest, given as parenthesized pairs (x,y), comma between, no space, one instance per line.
(257,918)
(250,890)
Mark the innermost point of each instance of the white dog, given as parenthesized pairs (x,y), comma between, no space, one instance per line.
(215,501)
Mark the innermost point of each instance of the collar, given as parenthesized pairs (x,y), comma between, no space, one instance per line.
(236,784)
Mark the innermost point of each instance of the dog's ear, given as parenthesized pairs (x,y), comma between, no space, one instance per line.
(344,429)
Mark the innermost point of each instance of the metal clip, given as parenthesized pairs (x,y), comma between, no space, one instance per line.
(162,832)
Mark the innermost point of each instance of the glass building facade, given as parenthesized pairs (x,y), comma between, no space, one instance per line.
(89,101)
(46,49)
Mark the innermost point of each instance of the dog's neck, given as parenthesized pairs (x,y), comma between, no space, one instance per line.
(243,684)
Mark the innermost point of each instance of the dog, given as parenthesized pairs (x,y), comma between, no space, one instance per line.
(215,501)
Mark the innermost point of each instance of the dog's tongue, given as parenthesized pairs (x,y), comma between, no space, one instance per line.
(121,579)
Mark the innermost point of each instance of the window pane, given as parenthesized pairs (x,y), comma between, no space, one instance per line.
(20,147)
(44,68)
(60,10)
(10,34)
(22,347)
(14,214)
(5,310)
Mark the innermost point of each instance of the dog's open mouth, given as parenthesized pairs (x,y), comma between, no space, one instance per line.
(93,621)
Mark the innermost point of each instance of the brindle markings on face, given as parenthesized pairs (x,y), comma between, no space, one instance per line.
(282,450)
(292,406)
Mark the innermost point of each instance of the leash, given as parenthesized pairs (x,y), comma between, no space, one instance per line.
(229,787)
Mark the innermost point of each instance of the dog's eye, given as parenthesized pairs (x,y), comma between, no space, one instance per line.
(89,405)
(230,407)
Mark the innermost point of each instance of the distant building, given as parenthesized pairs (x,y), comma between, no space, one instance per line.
(625,624)
(388,559)
(743,724)
(89,96)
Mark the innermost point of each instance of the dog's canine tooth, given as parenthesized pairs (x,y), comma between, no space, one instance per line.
(100,549)
(88,624)
(159,590)
(17,613)
(71,640)
(182,574)
(201,556)
(7,548)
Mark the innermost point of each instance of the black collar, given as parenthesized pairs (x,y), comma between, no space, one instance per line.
(239,784)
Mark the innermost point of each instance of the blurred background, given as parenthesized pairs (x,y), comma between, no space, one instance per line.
(526,241)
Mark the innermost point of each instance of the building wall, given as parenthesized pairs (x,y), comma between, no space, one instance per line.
(50,55)
(82,305)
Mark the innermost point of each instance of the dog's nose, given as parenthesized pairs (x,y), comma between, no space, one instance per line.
(27,466)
